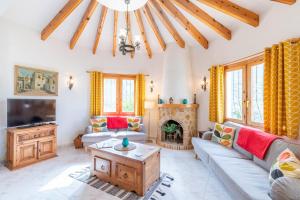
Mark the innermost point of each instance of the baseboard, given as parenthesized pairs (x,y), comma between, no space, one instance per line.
(65,145)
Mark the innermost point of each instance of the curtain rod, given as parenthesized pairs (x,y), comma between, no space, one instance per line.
(242,59)
(120,74)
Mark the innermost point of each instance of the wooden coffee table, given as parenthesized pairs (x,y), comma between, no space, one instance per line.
(134,170)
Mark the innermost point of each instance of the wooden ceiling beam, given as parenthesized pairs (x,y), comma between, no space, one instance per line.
(289,2)
(116,15)
(129,32)
(167,23)
(233,10)
(100,28)
(85,19)
(187,25)
(69,7)
(154,27)
(205,18)
(142,30)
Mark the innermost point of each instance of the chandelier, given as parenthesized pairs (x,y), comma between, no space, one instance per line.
(124,44)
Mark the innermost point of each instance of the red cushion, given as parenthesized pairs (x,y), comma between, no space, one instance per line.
(117,122)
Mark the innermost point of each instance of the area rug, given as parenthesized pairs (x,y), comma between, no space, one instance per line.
(158,191)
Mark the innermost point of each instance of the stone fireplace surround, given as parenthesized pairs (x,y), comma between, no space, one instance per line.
(186,116)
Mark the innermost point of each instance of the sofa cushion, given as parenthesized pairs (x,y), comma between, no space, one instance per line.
(235,145)
(285,188)
(242,177)
(99,124)
(209,148)
(223,135)
(131,135)
(287,164)
(134,123)
(97,137)
(116,122)
(274,150)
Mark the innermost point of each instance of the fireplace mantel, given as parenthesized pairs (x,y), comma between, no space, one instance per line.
(178,106)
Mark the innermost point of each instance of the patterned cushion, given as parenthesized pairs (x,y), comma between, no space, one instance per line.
(134,123)
(99,124)
(223,135)
(287,165)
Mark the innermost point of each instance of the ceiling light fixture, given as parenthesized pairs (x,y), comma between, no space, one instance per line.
(125,47)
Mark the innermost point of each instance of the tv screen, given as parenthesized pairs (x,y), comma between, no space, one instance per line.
(21,112)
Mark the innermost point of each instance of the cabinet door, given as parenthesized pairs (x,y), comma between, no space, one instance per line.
(47,148)
(26,154)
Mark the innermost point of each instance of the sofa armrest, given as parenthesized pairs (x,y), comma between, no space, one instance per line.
(285,188)
(88,129)
(207,135)
(142,128)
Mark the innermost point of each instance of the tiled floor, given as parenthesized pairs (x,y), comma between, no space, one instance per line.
(49,179)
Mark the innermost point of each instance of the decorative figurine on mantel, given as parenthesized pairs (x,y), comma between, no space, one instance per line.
(171,100)
(195,99)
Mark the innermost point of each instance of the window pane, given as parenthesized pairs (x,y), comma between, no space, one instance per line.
(110,96)
(127,95)
(234,94)
(257,93)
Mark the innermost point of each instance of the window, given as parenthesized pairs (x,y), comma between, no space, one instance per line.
(257,93)
(244,83)
(118,94)
(234,94)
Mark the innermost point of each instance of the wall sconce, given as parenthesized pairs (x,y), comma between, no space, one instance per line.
(70,83)
(204,83)
(151,86)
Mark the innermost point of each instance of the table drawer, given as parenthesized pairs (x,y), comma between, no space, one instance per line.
(126,174)
(102,166)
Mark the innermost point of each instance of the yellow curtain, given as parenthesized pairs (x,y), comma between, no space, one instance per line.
(282,89)
(140,89)
(96,81)
(216,96)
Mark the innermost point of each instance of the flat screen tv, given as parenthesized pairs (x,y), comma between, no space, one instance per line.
(26,112)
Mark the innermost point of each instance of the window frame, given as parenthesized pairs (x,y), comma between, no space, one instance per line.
(119,81)
(246,66)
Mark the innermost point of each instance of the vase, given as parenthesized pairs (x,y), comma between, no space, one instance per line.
(125,142)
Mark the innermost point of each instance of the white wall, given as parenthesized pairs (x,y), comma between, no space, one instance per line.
(177,81)
(19,45)
(280,23)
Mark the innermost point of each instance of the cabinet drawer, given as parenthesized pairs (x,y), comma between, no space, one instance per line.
(102,166)
(126,174)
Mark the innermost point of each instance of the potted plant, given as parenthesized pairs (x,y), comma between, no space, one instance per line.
(169,129)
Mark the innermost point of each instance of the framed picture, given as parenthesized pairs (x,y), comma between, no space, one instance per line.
(35,82)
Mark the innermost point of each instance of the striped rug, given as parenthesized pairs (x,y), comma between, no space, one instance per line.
(157,191)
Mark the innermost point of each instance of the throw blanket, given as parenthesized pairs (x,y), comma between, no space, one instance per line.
(255,141)
(117,123)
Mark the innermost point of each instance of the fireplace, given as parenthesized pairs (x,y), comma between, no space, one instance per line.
(178,124)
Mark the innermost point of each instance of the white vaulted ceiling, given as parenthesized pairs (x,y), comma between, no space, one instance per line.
(36,14)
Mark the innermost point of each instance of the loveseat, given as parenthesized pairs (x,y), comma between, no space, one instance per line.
(245,176)
(91,137)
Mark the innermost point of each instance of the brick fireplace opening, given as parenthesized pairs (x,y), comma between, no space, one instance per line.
(184,117)
(172,132)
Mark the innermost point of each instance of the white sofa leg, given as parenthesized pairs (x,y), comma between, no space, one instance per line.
(197,157)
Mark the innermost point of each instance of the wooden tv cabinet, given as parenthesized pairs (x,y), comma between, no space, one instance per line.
(26,146)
